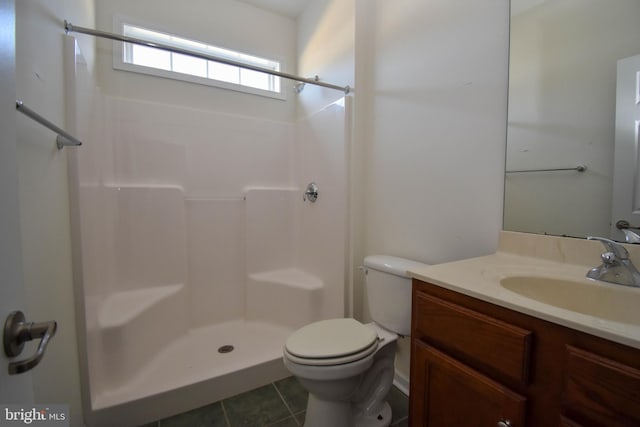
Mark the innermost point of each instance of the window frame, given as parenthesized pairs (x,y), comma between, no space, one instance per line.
(120,64)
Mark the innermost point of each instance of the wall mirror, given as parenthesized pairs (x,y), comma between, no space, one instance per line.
(572,131)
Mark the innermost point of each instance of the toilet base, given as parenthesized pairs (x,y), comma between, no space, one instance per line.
(383,419)
(325,413)
(322,413)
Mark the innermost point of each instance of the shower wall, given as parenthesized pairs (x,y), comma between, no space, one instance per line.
(189,222)
(204,162)
(226,191)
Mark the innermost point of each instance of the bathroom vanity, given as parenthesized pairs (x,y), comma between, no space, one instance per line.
(489,354)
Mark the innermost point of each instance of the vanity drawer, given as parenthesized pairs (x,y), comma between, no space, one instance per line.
(600,391)
(467,334)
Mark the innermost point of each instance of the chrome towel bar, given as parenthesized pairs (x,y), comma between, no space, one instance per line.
(579,168)
(62,140)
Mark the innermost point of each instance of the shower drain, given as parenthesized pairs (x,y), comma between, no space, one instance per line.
(225,349)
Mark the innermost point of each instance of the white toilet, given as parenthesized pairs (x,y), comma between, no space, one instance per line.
(348,367)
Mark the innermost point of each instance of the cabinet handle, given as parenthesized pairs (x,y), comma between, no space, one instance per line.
(504,423)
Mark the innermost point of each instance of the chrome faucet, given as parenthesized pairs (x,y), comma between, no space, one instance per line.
(616,266)
(629,235)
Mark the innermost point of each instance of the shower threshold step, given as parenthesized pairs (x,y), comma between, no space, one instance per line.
(191,372)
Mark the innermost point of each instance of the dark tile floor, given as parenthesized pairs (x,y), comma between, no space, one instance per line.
(280,404)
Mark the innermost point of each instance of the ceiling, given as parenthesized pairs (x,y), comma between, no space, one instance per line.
(289,8)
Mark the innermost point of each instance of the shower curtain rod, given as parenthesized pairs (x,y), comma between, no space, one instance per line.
(70,28)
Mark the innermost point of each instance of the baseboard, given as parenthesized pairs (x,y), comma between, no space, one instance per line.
(401,382)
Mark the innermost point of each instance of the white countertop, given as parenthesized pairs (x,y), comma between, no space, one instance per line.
(480,278)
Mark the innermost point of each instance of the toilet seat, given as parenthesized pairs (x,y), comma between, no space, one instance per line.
(333,360)
(331,342)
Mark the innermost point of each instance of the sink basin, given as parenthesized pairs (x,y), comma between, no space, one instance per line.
(610,302)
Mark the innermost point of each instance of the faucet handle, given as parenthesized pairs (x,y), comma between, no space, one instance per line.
(612,246)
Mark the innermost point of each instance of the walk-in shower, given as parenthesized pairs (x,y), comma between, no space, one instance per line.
(195,251)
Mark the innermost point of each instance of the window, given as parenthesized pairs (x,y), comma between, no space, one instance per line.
(163,63)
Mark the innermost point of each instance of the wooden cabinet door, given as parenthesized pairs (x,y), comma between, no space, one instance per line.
(600,392)
(447,393)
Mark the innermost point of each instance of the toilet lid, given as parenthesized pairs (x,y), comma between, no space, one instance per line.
(330,339)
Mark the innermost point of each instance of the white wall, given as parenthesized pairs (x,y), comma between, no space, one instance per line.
(44,205)
(431,80)
(224,23)
(326,43)
(562,91)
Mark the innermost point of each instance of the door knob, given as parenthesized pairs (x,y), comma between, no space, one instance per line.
(504,423)
(17,331)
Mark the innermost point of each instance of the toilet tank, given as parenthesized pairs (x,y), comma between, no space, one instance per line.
(388,289)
